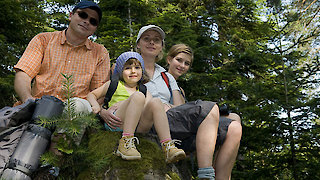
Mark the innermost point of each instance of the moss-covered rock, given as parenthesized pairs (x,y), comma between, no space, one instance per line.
(95,159)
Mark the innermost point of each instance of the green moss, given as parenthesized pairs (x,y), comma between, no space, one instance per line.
(101,146)
(95,159)
(174,176)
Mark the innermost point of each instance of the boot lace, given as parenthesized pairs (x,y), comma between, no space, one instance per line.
(169,145)
(130,142)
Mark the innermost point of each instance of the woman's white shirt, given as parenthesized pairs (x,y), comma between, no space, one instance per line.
(157,86)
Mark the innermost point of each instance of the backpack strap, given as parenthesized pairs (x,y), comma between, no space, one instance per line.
(166,80)
(112,88)
(143,89)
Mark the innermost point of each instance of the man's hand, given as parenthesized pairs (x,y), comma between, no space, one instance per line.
(109,118)
(96,109)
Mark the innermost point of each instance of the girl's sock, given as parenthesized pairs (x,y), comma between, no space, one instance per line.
(127,134)
(206,173)
(165,140)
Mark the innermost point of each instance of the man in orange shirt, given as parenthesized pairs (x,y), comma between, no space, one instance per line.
(70,52)
(39,74)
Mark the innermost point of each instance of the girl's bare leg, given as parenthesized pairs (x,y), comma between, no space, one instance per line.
(130,111)
(206,138)
(154,113)
(226,156)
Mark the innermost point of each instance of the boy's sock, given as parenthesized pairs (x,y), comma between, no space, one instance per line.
(206,173)
(127,134)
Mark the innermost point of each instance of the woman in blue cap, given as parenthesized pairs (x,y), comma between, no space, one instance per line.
(138,111)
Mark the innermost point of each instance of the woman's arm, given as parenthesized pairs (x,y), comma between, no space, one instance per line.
(182,95)
(97,94)
(177,98)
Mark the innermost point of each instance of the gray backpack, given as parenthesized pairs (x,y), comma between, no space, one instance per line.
(22,142)
(13,121)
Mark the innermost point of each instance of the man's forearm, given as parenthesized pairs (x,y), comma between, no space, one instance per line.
(22,86)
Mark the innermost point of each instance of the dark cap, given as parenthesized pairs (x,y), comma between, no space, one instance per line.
(89,4)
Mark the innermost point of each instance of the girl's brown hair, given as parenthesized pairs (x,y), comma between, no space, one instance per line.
(144,79)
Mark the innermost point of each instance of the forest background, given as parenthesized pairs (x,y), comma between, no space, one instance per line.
(259,57)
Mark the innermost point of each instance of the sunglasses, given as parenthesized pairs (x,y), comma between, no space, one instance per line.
(84,15)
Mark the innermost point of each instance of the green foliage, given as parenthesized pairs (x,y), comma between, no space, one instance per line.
(70,125)
(7,91)
(68,90)
(20,21)
(260,57)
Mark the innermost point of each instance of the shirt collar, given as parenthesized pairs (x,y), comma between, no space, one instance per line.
(157,70)
(63,40)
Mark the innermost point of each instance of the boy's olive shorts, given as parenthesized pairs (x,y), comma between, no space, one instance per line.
(184,121)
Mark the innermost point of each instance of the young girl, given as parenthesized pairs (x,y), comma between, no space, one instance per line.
(138,112)
(179,59)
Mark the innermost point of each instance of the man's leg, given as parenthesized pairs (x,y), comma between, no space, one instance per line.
(226,156)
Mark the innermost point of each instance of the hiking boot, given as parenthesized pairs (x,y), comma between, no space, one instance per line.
(172,153)
(127,149)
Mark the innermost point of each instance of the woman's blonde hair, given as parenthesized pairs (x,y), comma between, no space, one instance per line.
(180,48)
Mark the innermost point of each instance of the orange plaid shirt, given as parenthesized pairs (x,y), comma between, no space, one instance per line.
(49,54)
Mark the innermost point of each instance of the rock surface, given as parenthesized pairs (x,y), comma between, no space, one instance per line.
(94,159)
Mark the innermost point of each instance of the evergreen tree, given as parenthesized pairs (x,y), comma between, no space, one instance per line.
(20,21)
(259,57)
